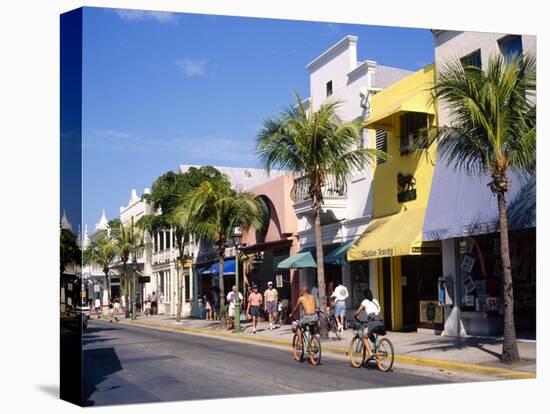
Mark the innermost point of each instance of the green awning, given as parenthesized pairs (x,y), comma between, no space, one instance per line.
(298,261)
(339,255)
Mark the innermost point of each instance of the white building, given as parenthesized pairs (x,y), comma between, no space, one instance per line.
(337,74)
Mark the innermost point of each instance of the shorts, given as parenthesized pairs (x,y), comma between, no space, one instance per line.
(340,308)
(271,307)
(255,311)
(309,319)
(231,312)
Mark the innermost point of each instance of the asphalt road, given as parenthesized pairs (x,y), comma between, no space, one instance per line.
(126,364)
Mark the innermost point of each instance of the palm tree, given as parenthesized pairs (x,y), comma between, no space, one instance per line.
(216,209)
(493,130)
(102,252)
(318,146)
(129,240)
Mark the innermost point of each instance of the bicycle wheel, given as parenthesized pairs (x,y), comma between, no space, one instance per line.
(333,326)
(314,351)
(384,355)
(297,349)
(356,352)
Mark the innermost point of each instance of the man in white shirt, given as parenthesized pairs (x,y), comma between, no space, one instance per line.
(232,299)
(338,298)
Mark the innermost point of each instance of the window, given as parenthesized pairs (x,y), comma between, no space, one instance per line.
(381,144)
(186,284)
(411,125)
(473,59)
(329,88)
(510,47)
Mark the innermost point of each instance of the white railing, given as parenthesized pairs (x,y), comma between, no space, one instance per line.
(300,190)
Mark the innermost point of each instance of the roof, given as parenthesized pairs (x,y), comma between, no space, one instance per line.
(387,75)
(242,178)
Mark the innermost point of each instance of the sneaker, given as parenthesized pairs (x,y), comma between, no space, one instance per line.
(254,330)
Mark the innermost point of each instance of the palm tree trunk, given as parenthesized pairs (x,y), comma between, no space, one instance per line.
(510,353)
(221,284)
(126,293)
(320,266)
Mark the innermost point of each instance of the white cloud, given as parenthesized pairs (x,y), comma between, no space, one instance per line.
(192,67)
(139,15)
(203,149)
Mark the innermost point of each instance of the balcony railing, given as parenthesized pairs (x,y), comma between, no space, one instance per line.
(300,190)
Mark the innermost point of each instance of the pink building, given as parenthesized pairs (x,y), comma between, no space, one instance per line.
(278,240)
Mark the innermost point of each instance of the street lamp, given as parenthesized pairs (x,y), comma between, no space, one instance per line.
(134,268)
(237,237)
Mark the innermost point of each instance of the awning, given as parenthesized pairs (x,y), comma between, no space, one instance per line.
(339,255)
(396,235)
(298,261)
(214,270)
(462,205)
(415,103)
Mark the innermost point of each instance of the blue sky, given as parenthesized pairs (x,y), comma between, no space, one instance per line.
(163,89)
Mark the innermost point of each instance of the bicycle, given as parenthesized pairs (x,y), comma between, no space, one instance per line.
(305,339)
(332,323)
(379,349)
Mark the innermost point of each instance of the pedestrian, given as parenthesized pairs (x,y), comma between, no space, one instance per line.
(271,297)
(232,300)
(154,303)
(208,305)
(254,302)
(338,298)
(215,302)
(283,310)
(116,310)
(148,305)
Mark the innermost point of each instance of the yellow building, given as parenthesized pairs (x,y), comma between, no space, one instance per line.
(406,268)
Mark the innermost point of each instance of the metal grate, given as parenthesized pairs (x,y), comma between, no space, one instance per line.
(381,144)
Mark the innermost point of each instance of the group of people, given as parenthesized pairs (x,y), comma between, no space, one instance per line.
(255,301)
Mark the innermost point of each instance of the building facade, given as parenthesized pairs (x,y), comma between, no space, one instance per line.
(404,269)
(346,212)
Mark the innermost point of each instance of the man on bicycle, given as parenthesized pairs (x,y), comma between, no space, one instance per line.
(307,302)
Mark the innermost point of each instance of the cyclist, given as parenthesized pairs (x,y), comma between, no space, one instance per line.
(371,307)
(307,302)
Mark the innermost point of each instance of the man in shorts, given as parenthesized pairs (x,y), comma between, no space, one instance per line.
(232,300)
(339,297)
(271,297)
(309,307)
(254,302)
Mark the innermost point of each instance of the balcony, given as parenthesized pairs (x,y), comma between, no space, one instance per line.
(334,197)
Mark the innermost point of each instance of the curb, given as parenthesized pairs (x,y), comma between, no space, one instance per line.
(402,359)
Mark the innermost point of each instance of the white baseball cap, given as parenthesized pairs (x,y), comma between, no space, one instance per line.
(269,283)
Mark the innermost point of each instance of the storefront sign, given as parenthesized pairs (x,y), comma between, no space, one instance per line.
(144,279)
(431,312)
(279,281)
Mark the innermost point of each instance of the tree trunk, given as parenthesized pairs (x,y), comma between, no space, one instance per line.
(221,284)
(510,353)
(126,293)
(320,266)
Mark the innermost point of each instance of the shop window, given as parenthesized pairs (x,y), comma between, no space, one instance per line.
(511,47)
(381,144)
(412,127)
(329,88)
(359,282)
(473,59)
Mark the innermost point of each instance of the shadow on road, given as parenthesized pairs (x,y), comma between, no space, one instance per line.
(98,365)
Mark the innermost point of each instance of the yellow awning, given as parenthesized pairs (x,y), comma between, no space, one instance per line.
(396,235)
(418,102)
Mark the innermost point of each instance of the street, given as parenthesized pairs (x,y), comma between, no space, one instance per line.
(125,364)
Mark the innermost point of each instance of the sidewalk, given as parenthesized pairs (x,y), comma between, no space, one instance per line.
(474,355)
